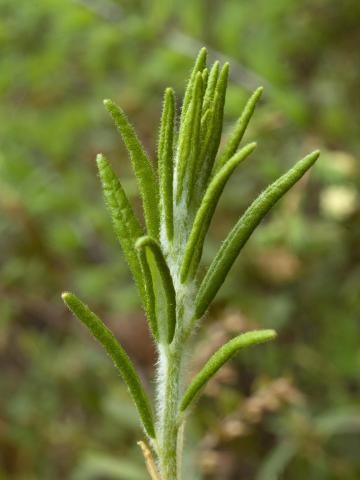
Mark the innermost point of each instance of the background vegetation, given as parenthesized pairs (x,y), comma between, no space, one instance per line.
(289,410)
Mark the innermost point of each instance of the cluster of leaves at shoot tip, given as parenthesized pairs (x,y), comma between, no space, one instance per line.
(179,198)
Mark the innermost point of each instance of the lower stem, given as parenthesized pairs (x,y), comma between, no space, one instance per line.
(168,427)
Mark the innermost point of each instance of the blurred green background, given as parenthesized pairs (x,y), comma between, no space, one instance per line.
(290,410)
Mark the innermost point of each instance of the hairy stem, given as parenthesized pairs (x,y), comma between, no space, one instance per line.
(164,259)
(170,386)
(169,392)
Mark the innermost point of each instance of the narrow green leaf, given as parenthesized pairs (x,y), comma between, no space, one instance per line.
(126,225)
(205,132)
(239,235)
(205,76)
(193,161)
(211,143)
(219,103)
(165,163)
(211,85)
(204,126)
(160,272)
(218,359)
(200,64)
(206,211)
(150,305)
(118,355)
(142,167)
(239,130)
(189,138)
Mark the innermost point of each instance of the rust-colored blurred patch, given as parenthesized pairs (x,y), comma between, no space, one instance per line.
(133,332)
(269,397)
(278,265)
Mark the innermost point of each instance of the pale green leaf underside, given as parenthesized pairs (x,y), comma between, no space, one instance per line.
(218,359)
(118,355)
(150,301)
(165,309)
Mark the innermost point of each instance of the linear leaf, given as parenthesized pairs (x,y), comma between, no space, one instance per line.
(211,85)
(200,64)
(142,167)
(239,130)
(189,144)
(118,355)
(239,235)
(126,225)
(206,130)
(205,76)
(212,141)
(160,272)
(165,164)
(206,211)
(204,124)
(195,135)
(150,306)
(218,359)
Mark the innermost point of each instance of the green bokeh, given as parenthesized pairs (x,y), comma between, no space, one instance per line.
(64,413)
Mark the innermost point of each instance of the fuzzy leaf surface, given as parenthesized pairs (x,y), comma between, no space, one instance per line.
(126,225)
(240,128)
(189,139)
(160,273)
(211,141)
(165,161)
(239,235)
(142,167)
(221,356)
(207,208)
(118,355)
(199,66)
(211,85)
(150,302)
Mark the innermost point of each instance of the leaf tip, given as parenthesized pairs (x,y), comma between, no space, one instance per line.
(202,52)
(270,334)
(312,158)
(169,92)
(198,77)
(66,297)
(100,158)
(226,67)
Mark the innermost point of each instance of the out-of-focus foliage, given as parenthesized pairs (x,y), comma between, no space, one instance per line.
(63,411)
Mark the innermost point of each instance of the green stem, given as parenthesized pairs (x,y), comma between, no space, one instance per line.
(169,393)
